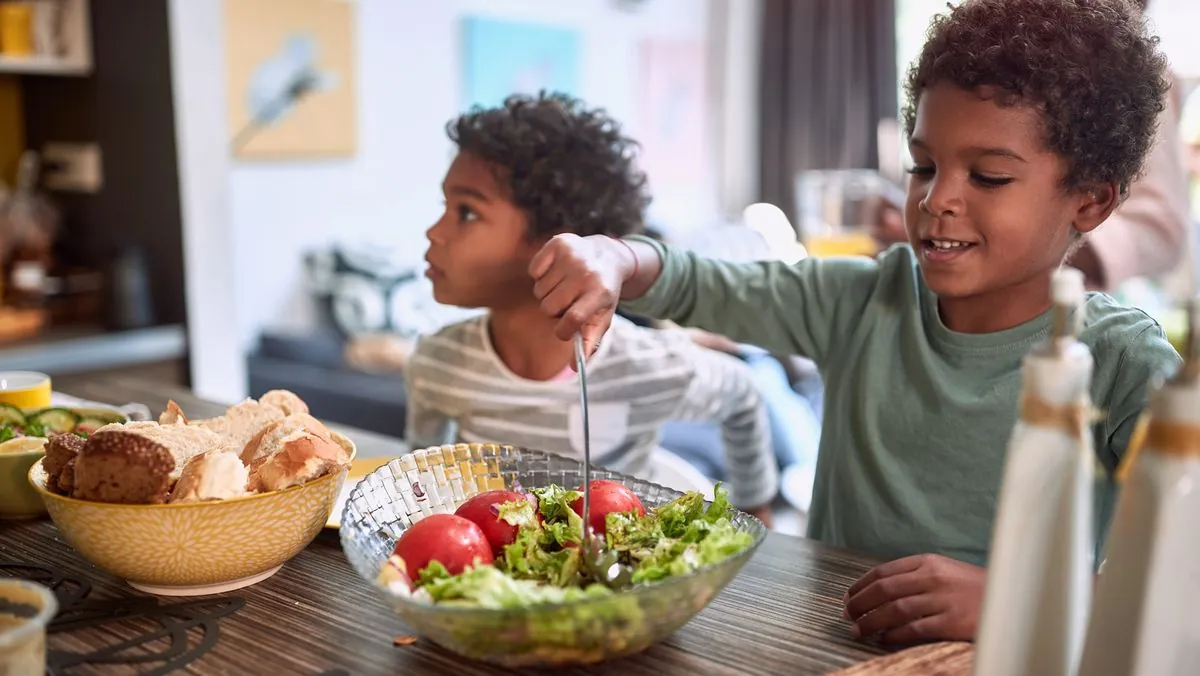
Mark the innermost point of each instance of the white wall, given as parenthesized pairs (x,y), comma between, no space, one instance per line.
(211,279)
(1177,23)
(409,86)
(409,65)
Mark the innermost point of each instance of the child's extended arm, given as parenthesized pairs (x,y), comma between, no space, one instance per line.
(793,309)
(722,391)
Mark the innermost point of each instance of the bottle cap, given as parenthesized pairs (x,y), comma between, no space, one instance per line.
(1067,288)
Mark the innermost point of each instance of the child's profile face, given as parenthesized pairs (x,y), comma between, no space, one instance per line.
(478,250)
(986,210)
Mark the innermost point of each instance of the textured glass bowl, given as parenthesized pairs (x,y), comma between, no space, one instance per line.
(437,480)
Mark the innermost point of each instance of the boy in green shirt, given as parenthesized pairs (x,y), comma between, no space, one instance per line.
(1027,122)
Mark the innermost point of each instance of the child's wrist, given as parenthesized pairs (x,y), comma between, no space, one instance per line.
(627,257)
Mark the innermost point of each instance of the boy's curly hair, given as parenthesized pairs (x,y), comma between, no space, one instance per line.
(1090,67)
(568,167)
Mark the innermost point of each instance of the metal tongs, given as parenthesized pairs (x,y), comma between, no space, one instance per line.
(600,562)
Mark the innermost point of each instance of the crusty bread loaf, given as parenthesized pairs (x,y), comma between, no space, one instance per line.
(263,445)
(291,454)
(214,475)
(269,439)
(60,450)
(241,422)
(173,415)
(123,466)
(64,483)
(182,441)
(285,401)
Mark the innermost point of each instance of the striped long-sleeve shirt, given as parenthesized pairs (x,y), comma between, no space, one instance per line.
(460,390)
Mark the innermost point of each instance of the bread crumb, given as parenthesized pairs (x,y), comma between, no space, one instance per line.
(404,640)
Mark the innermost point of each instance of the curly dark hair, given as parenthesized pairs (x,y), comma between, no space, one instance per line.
(567,166)
(1089,66)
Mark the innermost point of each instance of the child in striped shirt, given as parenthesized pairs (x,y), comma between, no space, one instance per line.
(526,171)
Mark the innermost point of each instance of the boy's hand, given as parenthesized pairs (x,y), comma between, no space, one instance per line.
(763,514)
(919,598)
(579,280)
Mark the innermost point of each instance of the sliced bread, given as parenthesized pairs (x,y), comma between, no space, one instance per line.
(181,441)
(270,438)
(293,452)
(64,483)
(124,467)
(241,422)
(214,475)
(60,450)
(285,401)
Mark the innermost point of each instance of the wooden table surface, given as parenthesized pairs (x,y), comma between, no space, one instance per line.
(781,614)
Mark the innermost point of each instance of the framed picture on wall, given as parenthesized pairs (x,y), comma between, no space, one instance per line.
(503,57)
(291,78)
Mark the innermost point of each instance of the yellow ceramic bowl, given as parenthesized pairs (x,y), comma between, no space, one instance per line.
(196,548)
(18,499)
(25,389)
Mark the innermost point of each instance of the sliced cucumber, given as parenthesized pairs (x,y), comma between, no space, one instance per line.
(11,414)
(105,417)
(56,420)
(90,423)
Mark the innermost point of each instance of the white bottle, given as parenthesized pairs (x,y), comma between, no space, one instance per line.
(1146,619)
(1039,576)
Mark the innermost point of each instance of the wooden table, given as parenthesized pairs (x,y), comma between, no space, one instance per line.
(782,614)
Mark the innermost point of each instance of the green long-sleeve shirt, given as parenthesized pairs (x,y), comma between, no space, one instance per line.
(917,417)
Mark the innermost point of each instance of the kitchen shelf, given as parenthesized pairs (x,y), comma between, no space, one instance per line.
(43,65)
(76,35)
(78,349)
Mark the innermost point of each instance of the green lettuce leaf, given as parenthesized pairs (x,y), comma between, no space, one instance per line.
(537,555)
(518,513)
(432,572)
(489,587)
(701,544)
(563,524)
(34,428)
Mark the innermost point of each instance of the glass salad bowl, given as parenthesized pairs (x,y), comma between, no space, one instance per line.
(437,480)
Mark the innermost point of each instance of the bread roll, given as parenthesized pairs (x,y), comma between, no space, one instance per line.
(292,452)
(123,466)
(60,450)
(173,415)
(241,422)
(182,441)
(215,475)
(269,439)
(65,481)
(285,401)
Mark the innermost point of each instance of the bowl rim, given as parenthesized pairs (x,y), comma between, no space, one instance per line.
(36,468)
(74,409)
(637,590)
(36,379)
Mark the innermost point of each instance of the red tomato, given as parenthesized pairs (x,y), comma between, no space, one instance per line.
(450,540)
(608,497)
(484,511)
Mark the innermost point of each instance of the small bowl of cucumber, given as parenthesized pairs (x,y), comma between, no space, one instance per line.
(23,436)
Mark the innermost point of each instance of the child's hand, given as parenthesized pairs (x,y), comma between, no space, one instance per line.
(918,598)
(763,514)
(579,279)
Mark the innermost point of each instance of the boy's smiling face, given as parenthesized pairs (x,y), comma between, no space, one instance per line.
(987,212)
(479,250)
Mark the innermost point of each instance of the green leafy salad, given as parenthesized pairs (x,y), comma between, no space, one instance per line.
(510,549)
